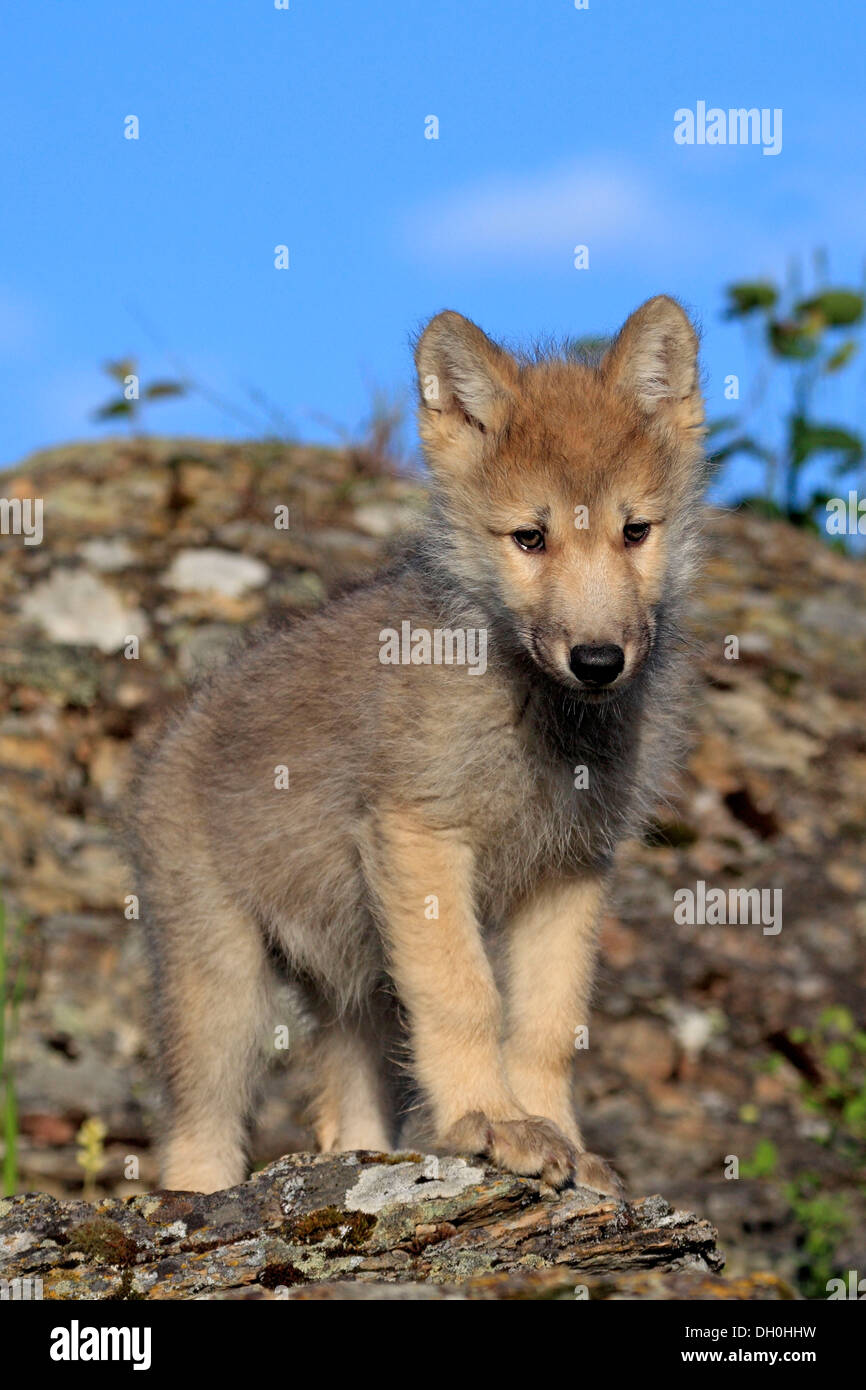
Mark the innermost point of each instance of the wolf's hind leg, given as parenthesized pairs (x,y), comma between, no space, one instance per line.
(214,987)
(352,1106)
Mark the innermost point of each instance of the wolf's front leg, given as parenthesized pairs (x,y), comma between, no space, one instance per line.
(550,960)
(422,879)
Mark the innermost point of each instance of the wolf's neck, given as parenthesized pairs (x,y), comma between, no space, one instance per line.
(585,732)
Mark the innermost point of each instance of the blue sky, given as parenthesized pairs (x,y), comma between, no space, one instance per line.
(305,127)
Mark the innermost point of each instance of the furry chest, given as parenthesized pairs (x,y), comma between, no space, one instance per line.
(557,824)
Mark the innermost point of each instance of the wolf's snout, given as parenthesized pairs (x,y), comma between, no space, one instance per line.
(597,664)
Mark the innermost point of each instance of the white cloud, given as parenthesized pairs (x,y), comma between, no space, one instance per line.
(508,218)
(683,214)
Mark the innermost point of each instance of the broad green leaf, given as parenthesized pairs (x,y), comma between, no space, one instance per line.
(855,1109)
(158,390)
(743,444)
(749,295)
(842,356)
(763,1162)
(838,1056)
(836,307)
(124,367)
(792,340)
(806,439)
(113,408)
(837,1017)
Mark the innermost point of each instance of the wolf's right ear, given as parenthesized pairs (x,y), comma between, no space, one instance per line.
(465,385)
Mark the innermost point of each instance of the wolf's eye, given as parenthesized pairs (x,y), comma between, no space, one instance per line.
(529,538)
(635,532)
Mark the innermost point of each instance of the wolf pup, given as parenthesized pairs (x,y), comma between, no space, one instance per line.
(430,879)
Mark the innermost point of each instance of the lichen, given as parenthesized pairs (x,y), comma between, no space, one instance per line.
(406,1183)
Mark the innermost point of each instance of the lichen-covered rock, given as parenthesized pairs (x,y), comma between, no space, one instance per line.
(355,1225)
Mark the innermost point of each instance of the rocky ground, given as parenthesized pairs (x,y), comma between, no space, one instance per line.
(710,1045)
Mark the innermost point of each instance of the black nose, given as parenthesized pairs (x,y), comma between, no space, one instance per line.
(597,665)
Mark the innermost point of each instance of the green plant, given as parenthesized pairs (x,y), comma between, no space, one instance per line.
(377,444)
(823,1219)
(379,447)
(763,1163)
(838,1092)
(91,1152)
(831,1059)
(811,336)
(132,396)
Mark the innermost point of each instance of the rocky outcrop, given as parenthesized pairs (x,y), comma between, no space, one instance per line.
(362,1226)
(709,1044)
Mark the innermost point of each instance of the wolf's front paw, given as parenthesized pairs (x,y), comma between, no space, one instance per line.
(532,1147)
(592,1171)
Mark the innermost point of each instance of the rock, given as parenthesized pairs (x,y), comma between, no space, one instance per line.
(645,1047)
(303,590)
(360,1225)
(551,1285)
(76,607)
(383,519)
(215,571)
(108,553)
(204,647)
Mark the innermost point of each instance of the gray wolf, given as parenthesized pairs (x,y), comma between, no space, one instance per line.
(427,874)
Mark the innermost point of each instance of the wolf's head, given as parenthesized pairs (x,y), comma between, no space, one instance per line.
(567,491)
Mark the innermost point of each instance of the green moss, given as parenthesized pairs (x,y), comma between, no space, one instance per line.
(390,1158)
(349,1228)
(126,1292)
(104,1241)
(282,1275)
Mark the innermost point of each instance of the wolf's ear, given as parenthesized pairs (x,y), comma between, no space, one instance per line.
(465,385)
(655,358)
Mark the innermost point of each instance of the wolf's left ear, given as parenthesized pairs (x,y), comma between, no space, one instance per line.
(465,384)
(655,358)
